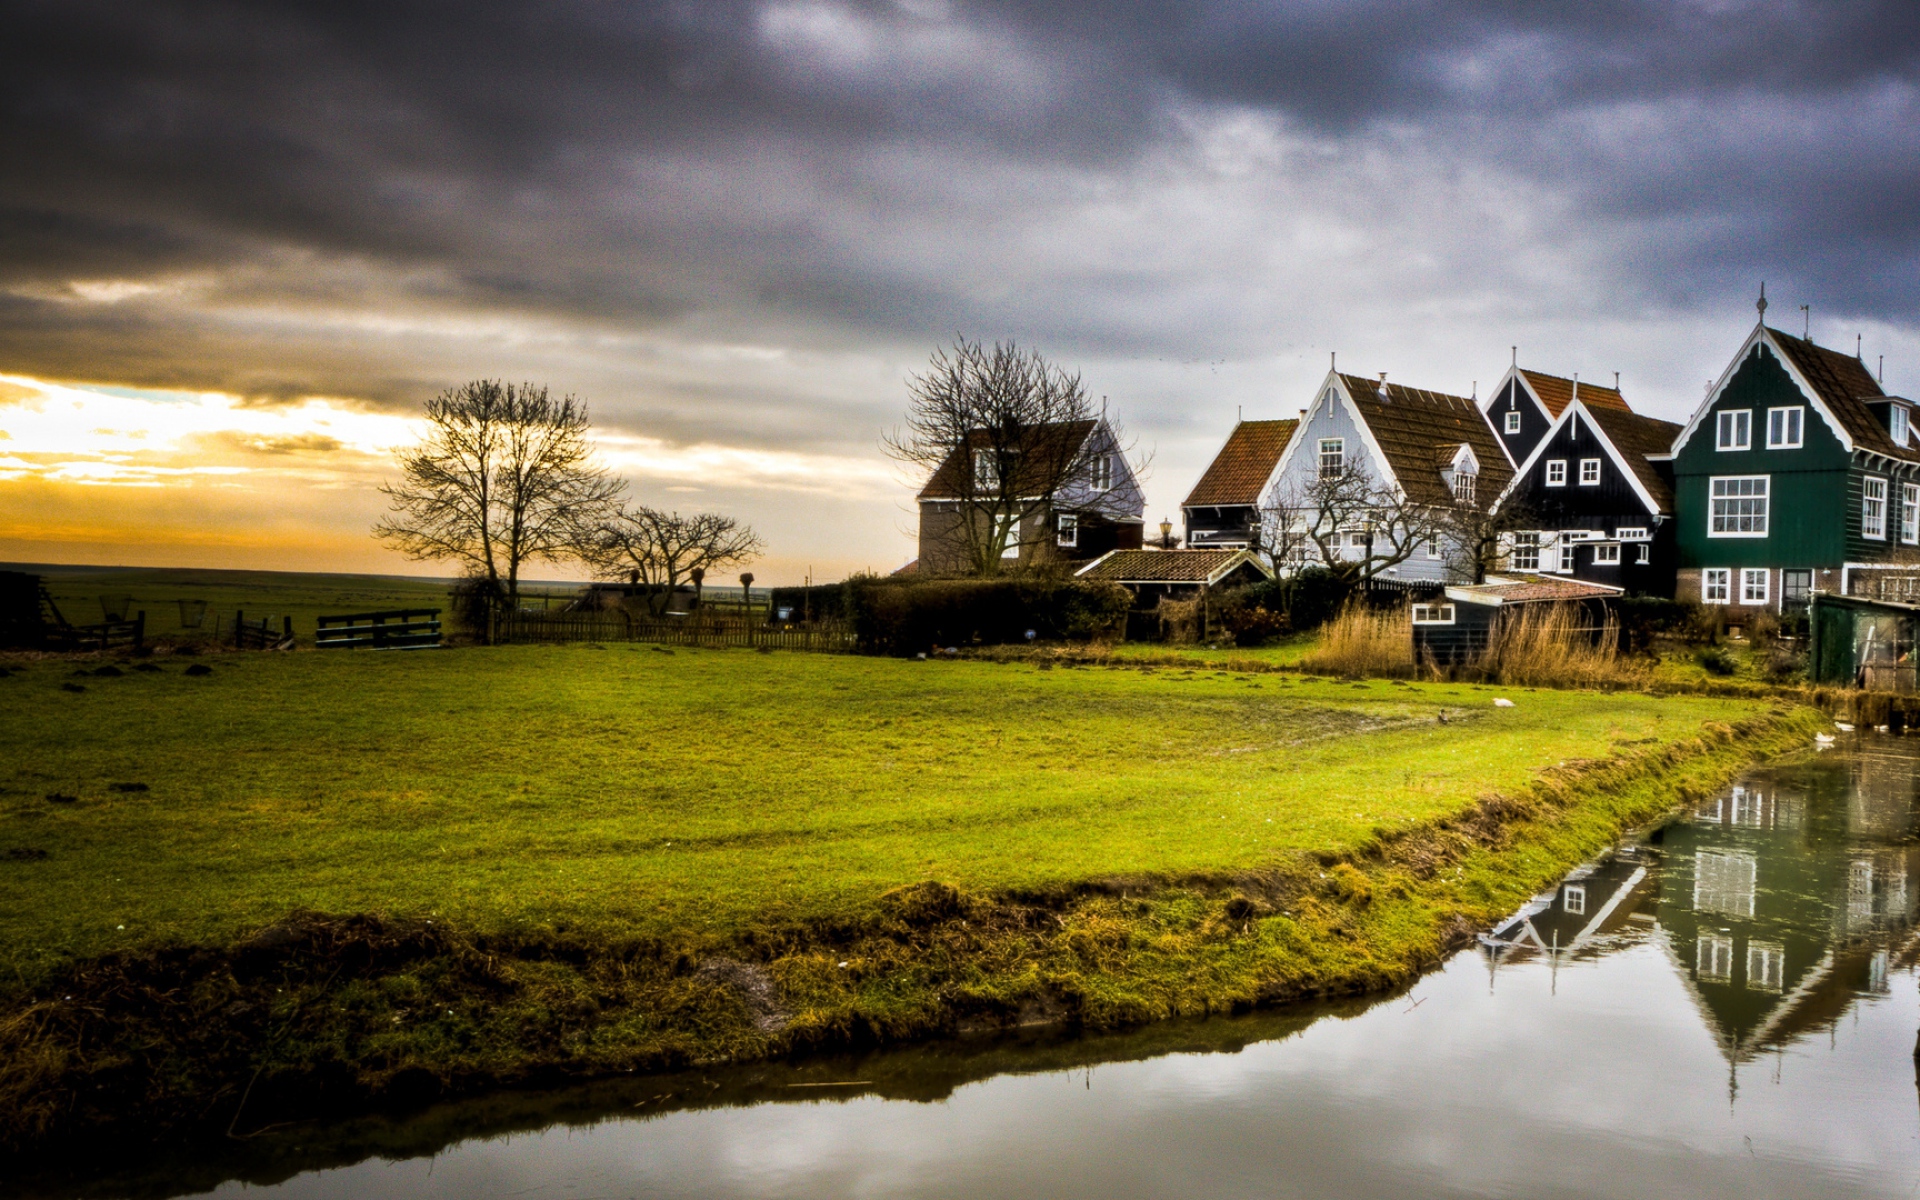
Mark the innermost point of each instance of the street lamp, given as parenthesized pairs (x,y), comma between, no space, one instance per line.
(1166,534)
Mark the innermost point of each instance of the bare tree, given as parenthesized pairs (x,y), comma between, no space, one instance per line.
(1002,435)
(1477,539)
(1349,523)
(658,550)
(505,475)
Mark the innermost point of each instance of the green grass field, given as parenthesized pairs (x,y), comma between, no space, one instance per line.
(641,792)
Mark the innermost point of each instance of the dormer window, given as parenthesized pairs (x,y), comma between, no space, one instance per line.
(1463,485)
(1897,424)
(986,469)
(1513,421)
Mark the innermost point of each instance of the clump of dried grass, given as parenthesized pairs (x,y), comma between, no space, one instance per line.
(1364,641)
(1556,645)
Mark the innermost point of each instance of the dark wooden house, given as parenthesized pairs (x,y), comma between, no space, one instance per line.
(1223,510)
(1797,472)
(1458,623)
(1594,500)
(1525,404)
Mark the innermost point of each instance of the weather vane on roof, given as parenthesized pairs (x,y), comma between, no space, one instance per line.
(1762,305)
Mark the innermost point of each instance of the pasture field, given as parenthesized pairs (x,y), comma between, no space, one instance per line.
(697,792)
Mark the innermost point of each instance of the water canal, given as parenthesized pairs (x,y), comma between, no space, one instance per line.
(1727,1009)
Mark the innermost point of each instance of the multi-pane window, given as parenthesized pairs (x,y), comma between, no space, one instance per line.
(1753,585)
(1433,547)
(1723,882)
(1645,553)
(1102,472)
(1069,529)
(1463,486)
(1873,508)
(1739,506)
(1713,958)
(1556,472)
(1766,966)
(1433,614)
(1897,424)
(1796,585)
(1735,429)
(1606,556)
(1010,526)
(1783,427)
(1631,533)
(1573,899)
(1716,585)
(986,469)
(1910,513)
(1589,472)
(1526,552)
(1513,421)
(1566,556)
(1333,457)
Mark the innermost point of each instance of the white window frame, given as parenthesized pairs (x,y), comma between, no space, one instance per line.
(1873,507)
(1556,472)
(1573,899)
(1716,580)
(1732,517)
(1786,427)
(1101,473)
(1526,545)
(1464,485)
(1733,429)
(1607,554)
(1433,547)
(1910,513)
(1589,472)
(1012,526)
(1644,554)
(1713,958)
(1333,457)
(986,469)
(1566,556)
(1766,966)
(1513,420)
(1433,614)
(1067,530)
(1754,586)
(1899,425)
(1631,533)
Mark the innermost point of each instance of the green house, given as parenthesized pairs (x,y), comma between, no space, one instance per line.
(1798,472)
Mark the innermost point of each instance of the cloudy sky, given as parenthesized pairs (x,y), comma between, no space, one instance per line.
(241,242)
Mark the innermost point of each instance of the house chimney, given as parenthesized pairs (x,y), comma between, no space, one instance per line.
(1383,387)
(1576,385)
(1616,381)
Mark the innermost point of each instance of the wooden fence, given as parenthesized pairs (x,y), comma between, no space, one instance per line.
(820,637)
(260,634)
(397,629)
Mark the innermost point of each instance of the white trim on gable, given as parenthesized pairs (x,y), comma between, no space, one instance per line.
(1578,408)
(1465,454)
(1342,396)
(1762,334)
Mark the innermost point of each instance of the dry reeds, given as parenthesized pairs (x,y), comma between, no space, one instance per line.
(1557,645)
(1365,641)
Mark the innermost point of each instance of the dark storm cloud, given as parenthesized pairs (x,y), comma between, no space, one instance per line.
(875,171)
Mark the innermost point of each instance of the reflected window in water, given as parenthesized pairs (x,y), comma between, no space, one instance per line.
(1877,973)
(1749,808)
(1766,966)
(1574,899)
(1860,892)
(1713,958)
(1723,882)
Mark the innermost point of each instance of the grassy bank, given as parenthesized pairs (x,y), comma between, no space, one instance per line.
(546,862)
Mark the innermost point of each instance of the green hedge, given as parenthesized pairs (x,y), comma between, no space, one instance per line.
(901,617)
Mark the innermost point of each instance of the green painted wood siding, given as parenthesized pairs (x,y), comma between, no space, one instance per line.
(1813,511)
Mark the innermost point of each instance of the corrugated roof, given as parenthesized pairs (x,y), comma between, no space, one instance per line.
(1844,385)
(1635,437)
(1050,447)
(1243,465)
(1412,422)
(1168,566)
(1556,393)
(1531,589)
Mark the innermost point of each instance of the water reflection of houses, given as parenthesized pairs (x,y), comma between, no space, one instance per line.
(1777,898)
(1577,917)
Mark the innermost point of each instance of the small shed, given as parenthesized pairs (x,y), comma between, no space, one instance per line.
(1458,624)
(1862,642)
(1176,574)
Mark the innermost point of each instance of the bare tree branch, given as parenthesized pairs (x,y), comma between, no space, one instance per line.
(658,550)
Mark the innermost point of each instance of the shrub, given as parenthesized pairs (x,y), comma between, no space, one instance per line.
(1244,616)
(903,617)
(1365,641)
(1642,618)
(1717,661)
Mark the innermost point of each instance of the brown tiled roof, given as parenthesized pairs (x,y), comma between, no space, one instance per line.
(1844,384)
(1052,446)
(1533,588)
(912,568)
(1635,437)
(1556,393)
(1241,468)
(1411,423)
(1166,566)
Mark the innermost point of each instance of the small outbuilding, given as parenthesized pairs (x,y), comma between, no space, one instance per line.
(1860,642)
(1176,574)
(1458,623)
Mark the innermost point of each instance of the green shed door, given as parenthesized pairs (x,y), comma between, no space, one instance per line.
(1833,644)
